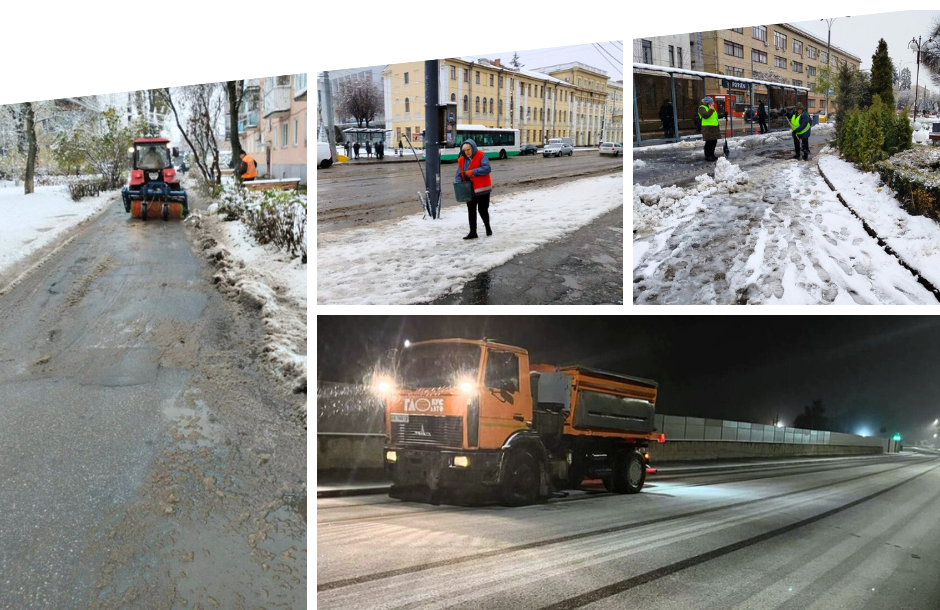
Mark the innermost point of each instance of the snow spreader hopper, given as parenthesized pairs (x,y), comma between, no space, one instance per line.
(153,190)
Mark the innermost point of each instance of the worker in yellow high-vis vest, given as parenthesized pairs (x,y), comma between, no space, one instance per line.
(710,130)
(800,127)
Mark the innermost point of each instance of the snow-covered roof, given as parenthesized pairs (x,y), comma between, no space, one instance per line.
(640,66)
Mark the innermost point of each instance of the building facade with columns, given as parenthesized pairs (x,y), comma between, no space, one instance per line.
(564,101)
(613,113)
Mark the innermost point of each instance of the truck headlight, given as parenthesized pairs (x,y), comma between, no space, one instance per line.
(391,456)
(461,461)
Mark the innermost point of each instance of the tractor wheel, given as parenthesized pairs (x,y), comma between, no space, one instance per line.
(521,480)
(144,211)
(135,209)
(166,212)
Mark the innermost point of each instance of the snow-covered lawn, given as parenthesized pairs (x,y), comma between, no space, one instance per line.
(916,239)
(778,236)
(410,260)
(31,222)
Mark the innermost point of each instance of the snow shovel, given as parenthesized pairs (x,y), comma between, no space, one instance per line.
(725,148)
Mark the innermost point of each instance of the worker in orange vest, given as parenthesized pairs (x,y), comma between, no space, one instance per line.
(249,169)
(473,165)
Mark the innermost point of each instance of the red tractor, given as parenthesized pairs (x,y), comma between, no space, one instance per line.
(154,189)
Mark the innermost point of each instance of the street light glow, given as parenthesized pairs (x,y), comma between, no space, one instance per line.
(407,343)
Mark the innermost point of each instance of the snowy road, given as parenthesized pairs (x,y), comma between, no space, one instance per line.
(826,535)
(781,238)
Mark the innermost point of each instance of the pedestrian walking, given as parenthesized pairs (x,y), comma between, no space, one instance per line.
(473,165)
(710,130)
(762,116)
(369,149)
(666,118)
(356,149)
(346,146)
(400,148)
(800,127)
(379,150)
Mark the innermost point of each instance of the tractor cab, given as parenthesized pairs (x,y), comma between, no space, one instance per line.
(154,190)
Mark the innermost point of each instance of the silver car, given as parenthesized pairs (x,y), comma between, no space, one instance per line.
(557,148)
(610,148)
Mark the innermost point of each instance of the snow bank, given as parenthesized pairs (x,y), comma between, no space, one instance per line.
(265,279)
(653,204)
(410,260)
(916,239)
(31,222)
(639,164)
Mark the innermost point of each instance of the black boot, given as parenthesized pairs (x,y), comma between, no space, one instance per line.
(471,236)
(489,231)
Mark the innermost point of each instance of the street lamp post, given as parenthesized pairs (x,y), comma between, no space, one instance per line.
(930,43)
(829,23)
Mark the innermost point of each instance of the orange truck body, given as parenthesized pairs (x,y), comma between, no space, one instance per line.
(523,431)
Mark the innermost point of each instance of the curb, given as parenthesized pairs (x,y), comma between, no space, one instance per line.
(881,242)
(353,491)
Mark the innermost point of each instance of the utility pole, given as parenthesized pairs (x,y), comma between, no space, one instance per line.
(829,22)
(432,136)
(330,132)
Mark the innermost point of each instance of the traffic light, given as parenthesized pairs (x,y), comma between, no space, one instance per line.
(897,436)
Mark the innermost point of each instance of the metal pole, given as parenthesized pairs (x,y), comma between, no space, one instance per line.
(917,81)
(731,107)
(675,114)
(329,116)
(828,68)
(432,138)
(636,114)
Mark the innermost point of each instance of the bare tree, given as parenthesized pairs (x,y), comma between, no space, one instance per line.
(360,99)
(201,105)
(31,154)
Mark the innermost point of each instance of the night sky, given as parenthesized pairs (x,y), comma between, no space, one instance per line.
(870,372)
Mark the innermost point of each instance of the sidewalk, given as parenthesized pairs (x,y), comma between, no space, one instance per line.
(582,268)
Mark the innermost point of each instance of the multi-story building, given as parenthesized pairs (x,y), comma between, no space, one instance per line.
(671,51)
(272,125)
(779,53)
(613,113)
(566,100)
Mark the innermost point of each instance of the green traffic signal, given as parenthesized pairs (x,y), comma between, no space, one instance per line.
(897,436)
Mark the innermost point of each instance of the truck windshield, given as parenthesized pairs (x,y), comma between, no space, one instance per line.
(441,365)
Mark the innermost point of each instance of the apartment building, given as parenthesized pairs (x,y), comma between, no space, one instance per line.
(779,53)
(566,100)
(671,51)
(272,125)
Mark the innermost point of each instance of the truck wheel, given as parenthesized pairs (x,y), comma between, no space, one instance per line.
(629,473)
(521,481)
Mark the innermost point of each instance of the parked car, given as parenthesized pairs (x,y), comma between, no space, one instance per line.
(324,155)
(528,149)
(557,147)
(611,148)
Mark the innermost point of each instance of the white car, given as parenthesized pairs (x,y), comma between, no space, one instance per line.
(610,148)
(324,156)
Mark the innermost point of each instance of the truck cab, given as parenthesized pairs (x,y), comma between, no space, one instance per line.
(476,416)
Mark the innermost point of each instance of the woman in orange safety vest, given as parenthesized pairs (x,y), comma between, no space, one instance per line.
(473,165)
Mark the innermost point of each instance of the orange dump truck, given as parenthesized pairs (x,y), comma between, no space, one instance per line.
(476,416)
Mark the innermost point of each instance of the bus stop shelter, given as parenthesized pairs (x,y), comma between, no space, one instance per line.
(666,101)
